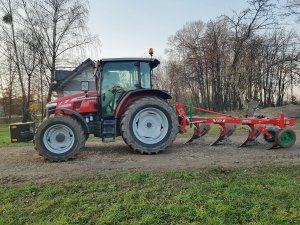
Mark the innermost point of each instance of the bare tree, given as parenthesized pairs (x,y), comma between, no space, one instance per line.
(8,76)
(185,47)
(259,15)
(293,8)
(233,59)
(42,35)
(59,26)
(29,53)
(9,9)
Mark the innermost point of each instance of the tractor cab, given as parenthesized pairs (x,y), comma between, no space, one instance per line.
(116,77)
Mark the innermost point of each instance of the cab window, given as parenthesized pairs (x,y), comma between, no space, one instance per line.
(145,75)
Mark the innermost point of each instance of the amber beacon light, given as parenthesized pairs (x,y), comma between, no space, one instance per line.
(151,51)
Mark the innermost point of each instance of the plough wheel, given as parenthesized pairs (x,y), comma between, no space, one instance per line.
(285,138)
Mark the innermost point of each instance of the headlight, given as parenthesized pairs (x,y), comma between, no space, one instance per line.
(51,105)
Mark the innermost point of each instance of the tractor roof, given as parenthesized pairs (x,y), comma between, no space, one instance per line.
(155,62)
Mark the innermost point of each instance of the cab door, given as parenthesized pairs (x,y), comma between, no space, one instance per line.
(117,78)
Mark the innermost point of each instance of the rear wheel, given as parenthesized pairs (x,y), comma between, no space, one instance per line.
(149,125)
(59,138)
(285,138)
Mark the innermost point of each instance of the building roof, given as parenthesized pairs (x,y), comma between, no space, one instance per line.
(61,74)
(69,75)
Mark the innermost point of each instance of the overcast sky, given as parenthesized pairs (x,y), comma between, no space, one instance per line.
(128,28)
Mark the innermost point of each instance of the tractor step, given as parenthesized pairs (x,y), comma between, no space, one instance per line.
(108,130)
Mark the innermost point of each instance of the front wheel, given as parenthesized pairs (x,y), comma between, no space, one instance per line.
(149,125)
(59,138)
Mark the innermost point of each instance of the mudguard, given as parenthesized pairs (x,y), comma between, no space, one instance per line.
(133,95)
(76,115)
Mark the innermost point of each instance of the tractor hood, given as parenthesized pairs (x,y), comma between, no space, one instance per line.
(80,102)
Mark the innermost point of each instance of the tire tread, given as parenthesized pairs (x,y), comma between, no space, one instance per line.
(125,125)
(66,120)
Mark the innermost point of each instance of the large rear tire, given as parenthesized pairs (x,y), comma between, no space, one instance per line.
(149,125)
(59,138)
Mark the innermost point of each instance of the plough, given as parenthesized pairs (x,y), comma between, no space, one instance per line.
(276,130)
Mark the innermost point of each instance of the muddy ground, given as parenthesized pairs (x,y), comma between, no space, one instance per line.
(24,164)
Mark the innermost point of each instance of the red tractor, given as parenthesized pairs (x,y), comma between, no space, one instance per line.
(124,104)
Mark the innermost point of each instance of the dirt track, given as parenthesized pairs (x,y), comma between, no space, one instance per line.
(18,165)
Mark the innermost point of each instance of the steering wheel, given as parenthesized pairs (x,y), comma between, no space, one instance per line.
(115,90)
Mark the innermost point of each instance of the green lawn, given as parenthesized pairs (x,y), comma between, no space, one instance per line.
(215,196)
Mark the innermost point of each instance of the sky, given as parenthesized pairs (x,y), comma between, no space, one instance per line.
(128,28)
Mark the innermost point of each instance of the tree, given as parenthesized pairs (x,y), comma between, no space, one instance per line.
(229,60)
(10,11)
(59,26)
(293,8)
(259,15)
(8,79)
(29,59)
(185,47)
(41,35)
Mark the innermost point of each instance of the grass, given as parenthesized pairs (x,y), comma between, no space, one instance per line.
(215,196)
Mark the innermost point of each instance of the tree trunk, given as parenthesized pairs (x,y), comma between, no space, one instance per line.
(24,98)
(28,96)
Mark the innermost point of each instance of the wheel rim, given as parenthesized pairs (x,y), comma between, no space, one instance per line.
(58,138)
(287,138)
(150,125)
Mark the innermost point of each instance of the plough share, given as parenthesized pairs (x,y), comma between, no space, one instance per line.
(276,130)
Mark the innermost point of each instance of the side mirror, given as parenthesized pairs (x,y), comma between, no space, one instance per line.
(84,86)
